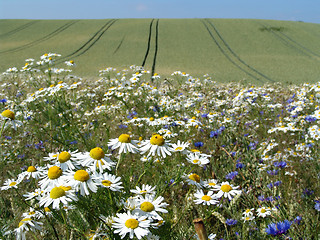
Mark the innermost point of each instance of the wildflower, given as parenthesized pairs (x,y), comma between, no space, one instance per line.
(263,212)
(247,218)
(53,178)
(145,189)
(180,146)
(96,158)
(194,179)
(205,199)
(10,183)
(226,190)
(231,222)
(210,183)
(277,229)
(231,175)
(150,206)
(32,172)
(157,145)
(37,193)
(26,224)
(134,225)
(68,160)
(197,159)
(124,143)
(58,195)
(248,212)
(9,117)
(81,180)
(280,164)
(108,181)
(317,206)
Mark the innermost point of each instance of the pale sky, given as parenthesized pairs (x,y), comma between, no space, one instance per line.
(292,10)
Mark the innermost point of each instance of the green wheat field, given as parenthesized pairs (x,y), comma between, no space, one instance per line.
(152,129)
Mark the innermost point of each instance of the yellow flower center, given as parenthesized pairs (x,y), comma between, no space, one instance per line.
(195,177)
(157,140)
(67,188)
(196,161)
(81,175)
(97,153)
(248,210)
(143,191)
(226,188)
(263,210)
(8,114)
(31,169)
(64,156)
(106,183)
(24,220)
(46,209)
(178,148)
(151,119)
(212,184)
(132,223)
(206,198)
(12,184)
(57,192)
(31,213)
(54,172)
(147,207)
(124,138)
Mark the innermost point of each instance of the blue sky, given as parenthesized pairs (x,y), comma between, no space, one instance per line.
(292,10)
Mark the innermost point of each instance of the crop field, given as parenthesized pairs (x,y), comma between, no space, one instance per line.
(229,50)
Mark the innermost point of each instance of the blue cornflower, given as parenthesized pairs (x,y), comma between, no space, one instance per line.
(297,220)
(308,192)
(3,100)
(198,144)
(231,175)
(239,165)
(317,206)
(273,172)
(122,126)
(231,222)
(270,185)
(277,183)
(280,164)
(310,118)
(277,229)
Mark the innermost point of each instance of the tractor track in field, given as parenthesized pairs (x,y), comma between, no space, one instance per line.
(291,42)
(227,55)
(18,29)
(149,43)
(84,48)
(236,56)
(156,49)
(42,39)
(120,44)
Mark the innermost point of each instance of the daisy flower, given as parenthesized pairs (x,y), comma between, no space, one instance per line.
(248,218)
(180,146)
(53,178)
(205,199)
(134,225)
(156,145)
(149,206)
(226,190)
(58,195)
(32,172)
(194,179)
(81,180)
(248,212)
(9,117)
(124,143)
(263,212)
(10,183)
(35,194)
(68,160)
(108,181)
(210,183)
(26,224)
(96,159)
(145,189)
(197,159)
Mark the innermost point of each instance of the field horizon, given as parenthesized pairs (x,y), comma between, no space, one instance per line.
(250,50)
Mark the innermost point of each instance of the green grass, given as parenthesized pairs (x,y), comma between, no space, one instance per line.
(248,50)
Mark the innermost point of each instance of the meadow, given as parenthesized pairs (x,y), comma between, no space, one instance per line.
(134,155)
(251,51)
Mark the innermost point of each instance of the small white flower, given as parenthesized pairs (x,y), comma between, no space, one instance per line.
(124,143)
(150,206)
(205,199)
(226,190)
